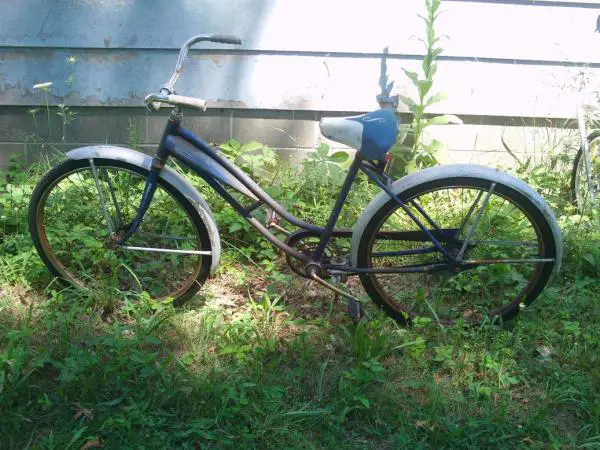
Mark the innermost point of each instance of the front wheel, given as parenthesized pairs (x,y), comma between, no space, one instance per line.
(501,252)
(76,214)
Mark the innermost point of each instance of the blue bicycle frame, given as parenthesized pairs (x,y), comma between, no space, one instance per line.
(219,172)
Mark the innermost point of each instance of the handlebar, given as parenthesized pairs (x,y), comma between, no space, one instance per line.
(223,39)
(166,95)
(226,39)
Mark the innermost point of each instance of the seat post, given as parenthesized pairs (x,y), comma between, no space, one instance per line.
(339,204)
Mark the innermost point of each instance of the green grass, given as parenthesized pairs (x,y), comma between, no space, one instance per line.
(267,360)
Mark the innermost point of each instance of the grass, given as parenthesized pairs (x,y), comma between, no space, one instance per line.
(268,360)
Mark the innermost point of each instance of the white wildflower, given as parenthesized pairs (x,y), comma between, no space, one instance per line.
(42,86)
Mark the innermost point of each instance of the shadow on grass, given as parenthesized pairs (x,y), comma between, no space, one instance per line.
(257,377)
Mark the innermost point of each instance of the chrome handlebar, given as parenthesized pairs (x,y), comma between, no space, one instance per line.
(155,101)
(166,95)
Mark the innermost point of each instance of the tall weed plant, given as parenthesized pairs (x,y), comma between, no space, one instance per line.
(412,151)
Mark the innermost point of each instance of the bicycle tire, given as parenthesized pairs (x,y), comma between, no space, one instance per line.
(543,272)
(576,169)
(38,232)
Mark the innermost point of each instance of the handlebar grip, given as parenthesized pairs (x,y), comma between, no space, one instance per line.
(155,101)
(187,101)
(226,39)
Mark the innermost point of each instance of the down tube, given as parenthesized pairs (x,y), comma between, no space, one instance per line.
(244,179)
(245,213)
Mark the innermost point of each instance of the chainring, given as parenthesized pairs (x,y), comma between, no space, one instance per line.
(301,242)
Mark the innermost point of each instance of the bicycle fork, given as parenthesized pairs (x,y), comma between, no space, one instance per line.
(158,162)
(149,189)
(147,195)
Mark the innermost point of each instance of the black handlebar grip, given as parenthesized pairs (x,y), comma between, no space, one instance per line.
(226,39)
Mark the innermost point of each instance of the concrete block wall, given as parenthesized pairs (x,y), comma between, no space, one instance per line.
(507,65)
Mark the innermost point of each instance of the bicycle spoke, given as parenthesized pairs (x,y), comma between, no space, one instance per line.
(475,222)
(166,250)
(109,223)
(509,243)
(114,198)
(482,262)
(469,213)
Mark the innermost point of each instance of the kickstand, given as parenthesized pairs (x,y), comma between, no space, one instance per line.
(354,307)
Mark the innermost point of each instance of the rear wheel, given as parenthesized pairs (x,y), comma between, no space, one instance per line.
(504,242)
(69,228)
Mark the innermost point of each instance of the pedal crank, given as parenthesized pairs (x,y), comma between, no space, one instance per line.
(355,309)
(354,306)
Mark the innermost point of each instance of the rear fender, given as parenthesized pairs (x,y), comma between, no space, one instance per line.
(456,171)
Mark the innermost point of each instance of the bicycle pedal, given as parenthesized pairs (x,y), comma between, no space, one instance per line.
(355,310)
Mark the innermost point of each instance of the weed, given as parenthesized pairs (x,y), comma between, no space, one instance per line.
(119,369)
(67,116)
(407,158)
(134,133)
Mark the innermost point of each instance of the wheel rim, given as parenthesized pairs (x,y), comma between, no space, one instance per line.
(74,237)
(505,232)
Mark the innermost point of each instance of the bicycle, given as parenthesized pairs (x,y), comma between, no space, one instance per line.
(449,243)
(582,189)
(586,165)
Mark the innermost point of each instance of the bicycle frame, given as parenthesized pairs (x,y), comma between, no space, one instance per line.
(217,171)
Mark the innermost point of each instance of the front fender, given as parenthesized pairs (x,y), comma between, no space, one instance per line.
(170,176)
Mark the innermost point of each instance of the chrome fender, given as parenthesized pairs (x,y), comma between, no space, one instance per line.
(170,176)
(454,171)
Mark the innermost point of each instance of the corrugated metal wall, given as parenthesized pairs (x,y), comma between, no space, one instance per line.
(504,63)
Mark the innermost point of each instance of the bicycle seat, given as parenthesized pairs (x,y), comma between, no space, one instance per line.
(372,134)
